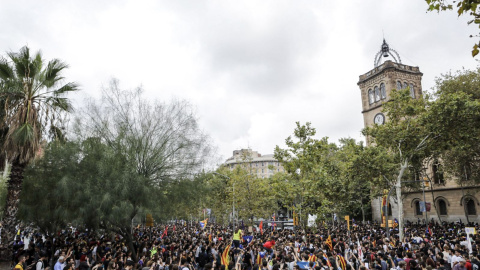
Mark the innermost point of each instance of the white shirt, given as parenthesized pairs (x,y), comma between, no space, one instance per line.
(455,259)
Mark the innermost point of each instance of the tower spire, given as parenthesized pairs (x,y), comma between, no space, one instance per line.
(385,51)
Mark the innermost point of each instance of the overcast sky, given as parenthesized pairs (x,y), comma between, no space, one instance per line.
(250,68)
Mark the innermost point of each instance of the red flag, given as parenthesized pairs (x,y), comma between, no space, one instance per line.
(261,227)
(174,227)
(164,232)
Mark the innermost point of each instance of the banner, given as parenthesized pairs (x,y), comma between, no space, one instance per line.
(422,206)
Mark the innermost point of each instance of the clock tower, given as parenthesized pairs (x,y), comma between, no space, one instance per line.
(376,85)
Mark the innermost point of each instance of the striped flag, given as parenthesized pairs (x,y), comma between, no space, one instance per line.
(261,227)
(342,261)
(312,258)
(328,261)
(259,260)
(225,258)
(329,242)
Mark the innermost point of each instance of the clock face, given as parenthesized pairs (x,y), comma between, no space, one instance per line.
(379,119)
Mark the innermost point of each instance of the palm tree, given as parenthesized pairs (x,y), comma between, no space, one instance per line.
(32,104)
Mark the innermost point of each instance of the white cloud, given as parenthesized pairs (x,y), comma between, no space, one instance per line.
(251,68)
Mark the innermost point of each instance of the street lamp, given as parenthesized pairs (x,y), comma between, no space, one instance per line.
(233,198)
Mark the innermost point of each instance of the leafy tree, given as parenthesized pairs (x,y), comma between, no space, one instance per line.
(454,117)
(405,137)
(464,7)
(33,99)
(313,170)
(49,180)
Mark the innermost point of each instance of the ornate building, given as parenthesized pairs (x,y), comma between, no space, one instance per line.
(445,196)
(263,166)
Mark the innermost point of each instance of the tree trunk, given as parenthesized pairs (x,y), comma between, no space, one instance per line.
(10,221)
(398,190)
(129,239)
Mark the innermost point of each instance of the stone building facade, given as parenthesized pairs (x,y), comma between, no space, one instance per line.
(448,200)
(263,166)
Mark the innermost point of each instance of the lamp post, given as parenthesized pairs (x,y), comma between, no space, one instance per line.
(233,198)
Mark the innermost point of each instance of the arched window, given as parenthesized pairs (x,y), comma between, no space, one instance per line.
(377,94)
(417,208)
(383,92)
(371,99)
(399,85)
(389,209)
(412,91)
(470,207)
(437,173)
(405,85)
(442,207)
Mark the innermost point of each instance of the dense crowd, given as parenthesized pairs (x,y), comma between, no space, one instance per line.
(178,247)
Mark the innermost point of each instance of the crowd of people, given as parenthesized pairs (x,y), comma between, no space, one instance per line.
(214,247)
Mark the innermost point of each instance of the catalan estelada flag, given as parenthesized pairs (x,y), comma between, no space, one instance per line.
(225,259)
(203,223)
(329,242)
(312,258)
(342,261)
(259,260)
(210,238)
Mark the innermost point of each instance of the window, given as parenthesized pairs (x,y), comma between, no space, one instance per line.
(377,94)
(370,96)
(470,207)
(399,85)
(405,85)
(417,208)
(442,207)
(467,172)
(412,91)
(383,92)
(437,173)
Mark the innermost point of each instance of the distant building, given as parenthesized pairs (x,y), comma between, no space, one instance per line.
(263,166)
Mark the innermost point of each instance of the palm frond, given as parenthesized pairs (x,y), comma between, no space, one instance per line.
(60,102)
(69,87)
(52,72)
(24,134)
(6,71)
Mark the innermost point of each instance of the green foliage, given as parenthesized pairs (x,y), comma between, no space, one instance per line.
(253,197)
(320,175)
(404,135)
(454,117)
(464,7)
